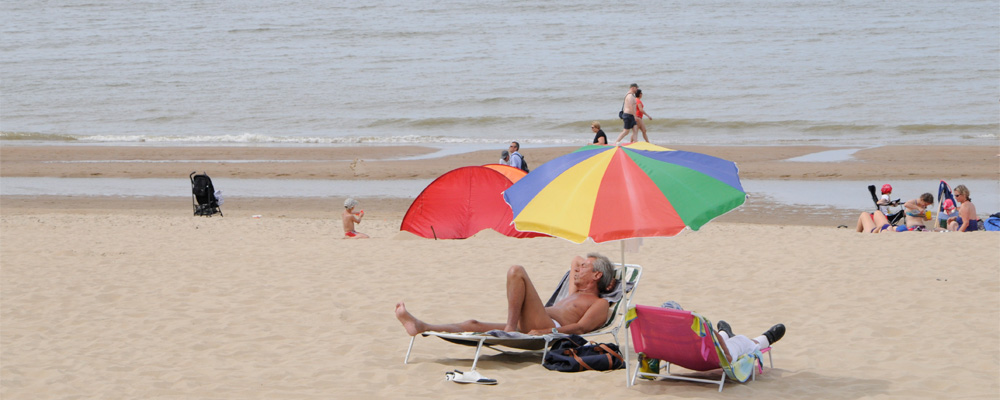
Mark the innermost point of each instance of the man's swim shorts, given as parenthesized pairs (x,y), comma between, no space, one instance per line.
(629,120)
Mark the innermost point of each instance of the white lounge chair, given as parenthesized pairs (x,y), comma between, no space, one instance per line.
(619,300)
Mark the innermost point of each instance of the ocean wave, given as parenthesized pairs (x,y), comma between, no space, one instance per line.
(249,138)
(931,128)
(531,130)
(449,122)
(35,136)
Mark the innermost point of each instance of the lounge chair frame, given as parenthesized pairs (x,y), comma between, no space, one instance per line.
(721,381)
(613,327)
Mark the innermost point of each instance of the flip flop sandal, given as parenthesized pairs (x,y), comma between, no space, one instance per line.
(468,377)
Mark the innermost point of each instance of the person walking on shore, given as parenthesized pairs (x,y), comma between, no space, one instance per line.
(640,111)
(628,113)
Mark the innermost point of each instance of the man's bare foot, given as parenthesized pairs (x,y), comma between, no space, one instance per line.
(410,323)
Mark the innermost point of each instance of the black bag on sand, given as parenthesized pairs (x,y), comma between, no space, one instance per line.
(574,354)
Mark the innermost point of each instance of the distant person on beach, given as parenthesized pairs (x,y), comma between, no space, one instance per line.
(581,311)
(351,217)
(640,111)
(916,211)
(515,157)
(504,157)
(966,220)
(599,136)
(628,113)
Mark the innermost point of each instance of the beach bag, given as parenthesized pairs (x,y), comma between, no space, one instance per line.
(621,113)
(992,223)
(574,354)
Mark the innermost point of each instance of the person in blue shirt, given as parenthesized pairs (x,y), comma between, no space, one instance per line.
(515,157)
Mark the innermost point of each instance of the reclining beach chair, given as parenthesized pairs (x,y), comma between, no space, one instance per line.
(688,340)
(203,198)
(619,300)
(895,217)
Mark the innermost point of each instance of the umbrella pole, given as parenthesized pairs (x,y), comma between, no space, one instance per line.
(623,252)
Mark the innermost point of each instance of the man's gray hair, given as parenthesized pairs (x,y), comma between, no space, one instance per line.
(603,264)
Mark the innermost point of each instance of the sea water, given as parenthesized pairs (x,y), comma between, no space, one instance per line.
(845,195)
(310,72)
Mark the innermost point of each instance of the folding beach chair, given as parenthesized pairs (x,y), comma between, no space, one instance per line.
(688,340)
(203,199)
(619,300)
(894,218)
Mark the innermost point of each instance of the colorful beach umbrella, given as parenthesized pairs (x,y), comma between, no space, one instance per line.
(620,192)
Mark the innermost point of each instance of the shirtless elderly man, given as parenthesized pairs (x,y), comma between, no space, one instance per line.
(628,114)
(581,311)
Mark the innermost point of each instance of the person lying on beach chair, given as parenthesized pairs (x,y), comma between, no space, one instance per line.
(876,223)
(583,310)
(739,345)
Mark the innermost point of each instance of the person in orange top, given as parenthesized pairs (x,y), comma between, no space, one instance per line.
(640,111)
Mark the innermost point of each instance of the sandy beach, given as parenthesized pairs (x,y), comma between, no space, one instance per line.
(113,297)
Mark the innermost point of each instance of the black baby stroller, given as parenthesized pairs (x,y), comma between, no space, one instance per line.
(894,218)
(203,198)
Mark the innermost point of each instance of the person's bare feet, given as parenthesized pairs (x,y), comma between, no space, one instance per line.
(410,323)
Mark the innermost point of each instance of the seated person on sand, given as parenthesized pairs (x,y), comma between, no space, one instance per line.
(581,311)
(947,214)
(966,220)
(738,345)
(350,217)
(876,223)
(916,211)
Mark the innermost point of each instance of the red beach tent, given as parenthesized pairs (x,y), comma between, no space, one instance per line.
(463,202)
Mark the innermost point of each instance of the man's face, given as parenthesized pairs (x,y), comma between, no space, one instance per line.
(513,147)
(585,271)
